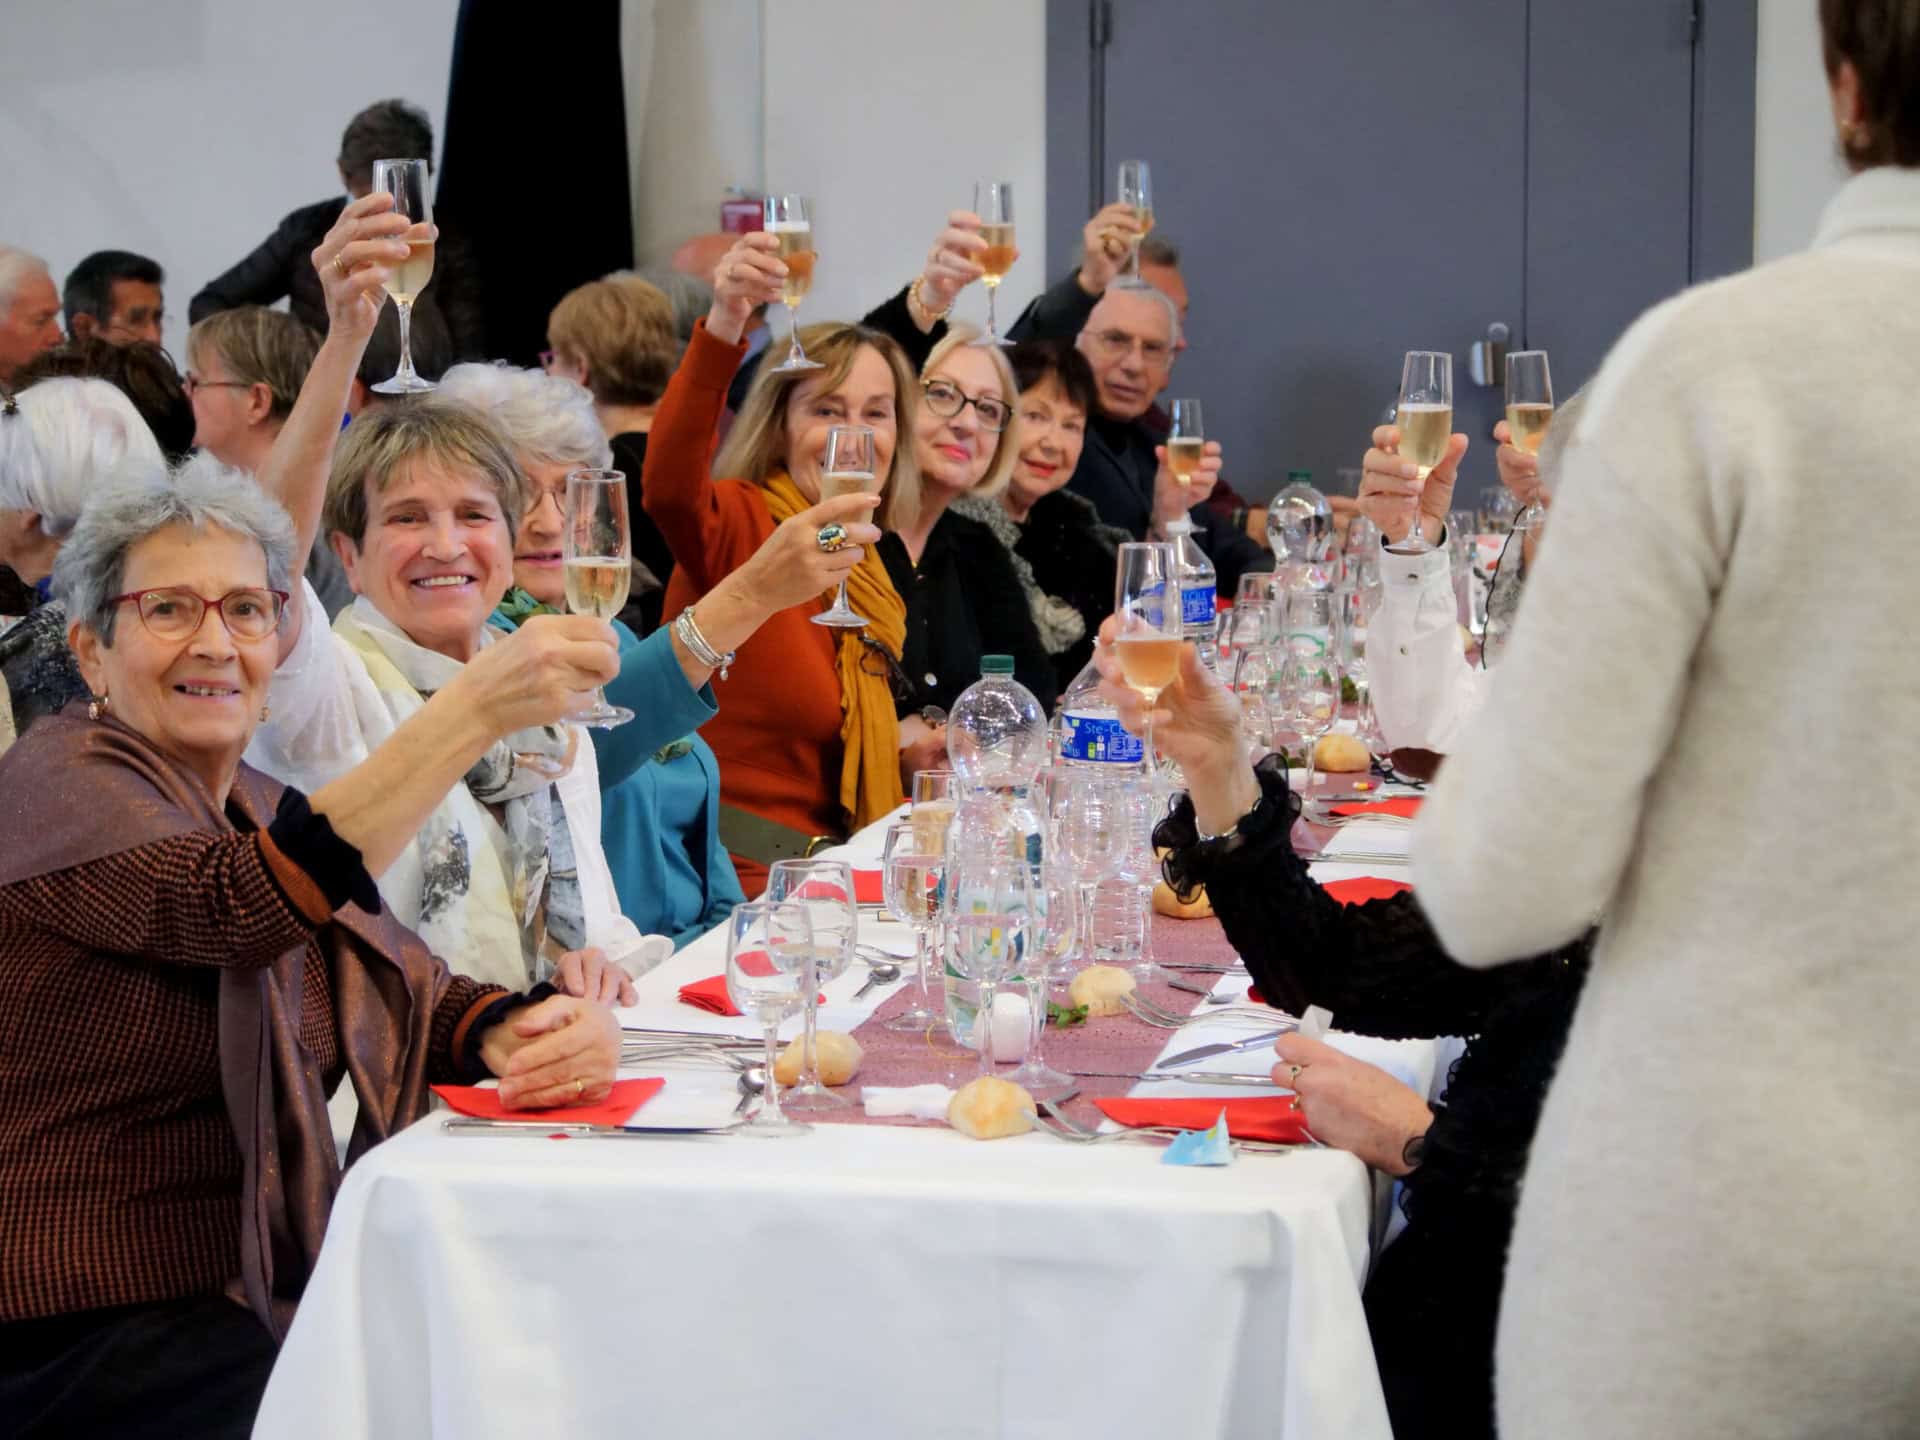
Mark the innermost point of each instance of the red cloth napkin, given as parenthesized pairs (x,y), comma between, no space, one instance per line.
(1366,887)
(711,994)
(483,1102)
(1253,1118)
(1405,806)
(867,888)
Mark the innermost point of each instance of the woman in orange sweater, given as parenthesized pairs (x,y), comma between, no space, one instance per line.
(807,738)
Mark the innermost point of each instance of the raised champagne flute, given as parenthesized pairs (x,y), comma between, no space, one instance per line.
(406,181)
(1136,191)
(768,949)
(1146,607)
(1186,441)
(846,470)
(1529,412)
(789,219)
(993,203)
(825,889)
(597,546)
(1425,418)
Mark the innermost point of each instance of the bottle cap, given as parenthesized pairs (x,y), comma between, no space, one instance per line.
(1182,526)
(1302,477)
(996,664)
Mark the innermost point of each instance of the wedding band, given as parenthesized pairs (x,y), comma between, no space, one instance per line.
(1296,1102)
(831,537)
(1293,1072)
(339,268)
(579,1087)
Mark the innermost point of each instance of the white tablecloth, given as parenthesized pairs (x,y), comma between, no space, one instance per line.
(862,1280)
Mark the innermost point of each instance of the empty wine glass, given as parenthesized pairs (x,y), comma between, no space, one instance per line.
(1312,686)
(987,919)
(1136,190)
(1050,938)
(913,868)
(824,889)
(1425,418)
(789,219)
(1090,829)
(407,182)
(768,948)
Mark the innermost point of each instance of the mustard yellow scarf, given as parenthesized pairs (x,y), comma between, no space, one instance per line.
(869,726)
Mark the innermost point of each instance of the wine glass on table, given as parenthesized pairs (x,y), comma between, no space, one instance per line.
(768,947)
(989,909)
(1529,413)
(1312,686)
(1090,830)
(824,889)
(993,203)
(789,219)
(597,546)
(1051,931)
(913,869)
(1425,418)
(847,469)
(1146,606)
(1136,191)
(406,181)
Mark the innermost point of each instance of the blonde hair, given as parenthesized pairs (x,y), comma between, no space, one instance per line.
(258,346)
(384,440)
(756,445)
(1007,447)
(622,329)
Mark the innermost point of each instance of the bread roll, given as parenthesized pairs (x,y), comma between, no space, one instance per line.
(839,1057)
(1099,988)
(1166,902)
(989,1108)
(1341,754)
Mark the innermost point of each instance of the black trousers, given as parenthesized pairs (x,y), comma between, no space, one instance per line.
(1432,1306)
(167,1371)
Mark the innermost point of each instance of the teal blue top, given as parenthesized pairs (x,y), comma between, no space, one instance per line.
(659,792)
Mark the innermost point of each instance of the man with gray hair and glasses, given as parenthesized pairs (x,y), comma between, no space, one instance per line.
(29,311)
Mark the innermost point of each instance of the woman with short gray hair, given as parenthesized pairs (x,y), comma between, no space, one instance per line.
(196,956)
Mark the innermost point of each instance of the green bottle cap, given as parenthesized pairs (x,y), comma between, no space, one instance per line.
(996,664)
(1300,477)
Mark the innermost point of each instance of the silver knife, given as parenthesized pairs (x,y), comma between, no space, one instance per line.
(473,1125)
(1224,1047)
(1203,1078)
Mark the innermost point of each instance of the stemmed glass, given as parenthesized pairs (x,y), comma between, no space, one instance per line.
(1312,686)
(846,470)
(1255,671)
(1146,605)
(913,875)
(1141,866)
(1310,622)
(1050,934)
(1090,830)
(1425,418)
(987,917)
(824,889)
(789,219)
(1529,412)
(1186,441)
(1136,190)
(768,946)
(406,181)
(993,203)
(597,546)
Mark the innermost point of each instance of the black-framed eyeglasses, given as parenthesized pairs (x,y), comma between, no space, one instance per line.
(173,612)
(946,399)
(880,662)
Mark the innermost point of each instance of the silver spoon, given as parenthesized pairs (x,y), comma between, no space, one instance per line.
(878,974)
(752,1083)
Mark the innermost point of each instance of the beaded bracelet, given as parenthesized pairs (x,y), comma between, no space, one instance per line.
(688,629)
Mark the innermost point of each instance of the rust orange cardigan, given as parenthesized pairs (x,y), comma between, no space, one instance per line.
(777,735)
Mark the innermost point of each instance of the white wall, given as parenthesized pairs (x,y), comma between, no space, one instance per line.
(1796,164)
(885,112)
(184,129)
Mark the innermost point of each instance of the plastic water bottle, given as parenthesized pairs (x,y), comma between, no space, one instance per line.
(1196,591)
(1087,732)
(1300,533)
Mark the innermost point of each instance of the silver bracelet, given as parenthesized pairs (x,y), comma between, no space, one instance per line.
(688,630)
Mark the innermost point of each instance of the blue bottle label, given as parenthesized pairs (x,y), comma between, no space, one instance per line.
(1196,605)
(1100,739)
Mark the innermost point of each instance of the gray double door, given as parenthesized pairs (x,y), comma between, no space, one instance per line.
(1350,179)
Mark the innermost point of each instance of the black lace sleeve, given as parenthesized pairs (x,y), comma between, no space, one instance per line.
(1377,966)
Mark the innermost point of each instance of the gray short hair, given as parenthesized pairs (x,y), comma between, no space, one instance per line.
(68,438)
(1144,292)
(548,418)
(15,266)
(201,494)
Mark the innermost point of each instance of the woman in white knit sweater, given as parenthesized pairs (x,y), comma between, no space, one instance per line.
(1714,1237)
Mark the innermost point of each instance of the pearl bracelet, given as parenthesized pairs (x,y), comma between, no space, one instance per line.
(688,629)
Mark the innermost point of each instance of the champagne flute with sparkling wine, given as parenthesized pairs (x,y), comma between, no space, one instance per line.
(1186,441)
(406,181)
(1425,418)
(1136,190)
(993,203)
(597,546)
(1529,412)
(789,219)
(847,469)
(1146,604)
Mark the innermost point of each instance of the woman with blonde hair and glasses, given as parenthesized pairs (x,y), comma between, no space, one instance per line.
(807,735)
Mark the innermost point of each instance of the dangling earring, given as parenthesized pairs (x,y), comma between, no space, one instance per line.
(265,710)
(97,706)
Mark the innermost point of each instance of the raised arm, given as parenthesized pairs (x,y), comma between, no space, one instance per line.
(1061,311)
(353,261)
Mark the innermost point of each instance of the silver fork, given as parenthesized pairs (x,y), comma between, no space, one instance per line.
(1069,1129)
(1165,1019)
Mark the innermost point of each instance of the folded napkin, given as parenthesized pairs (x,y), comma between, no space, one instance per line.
(921,1102)
(1261,1117)
(483,1102)
(1366,887)
(711,994)
(867,888)
(1405,806)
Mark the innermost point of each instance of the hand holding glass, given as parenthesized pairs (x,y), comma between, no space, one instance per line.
(1529,412)
(846,469)
(993,203)
(1425,418)
(597,546)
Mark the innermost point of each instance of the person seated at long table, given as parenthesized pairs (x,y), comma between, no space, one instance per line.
(195,955)
(1432,1297)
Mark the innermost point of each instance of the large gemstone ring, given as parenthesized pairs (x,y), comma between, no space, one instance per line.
(831,537)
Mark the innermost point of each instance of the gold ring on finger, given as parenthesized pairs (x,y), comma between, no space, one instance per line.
(579,1087)
(340,266)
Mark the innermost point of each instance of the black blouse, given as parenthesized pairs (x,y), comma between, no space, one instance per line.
(963,601)
(1073,557)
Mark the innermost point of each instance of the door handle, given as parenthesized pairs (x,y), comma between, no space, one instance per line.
(1487,359)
